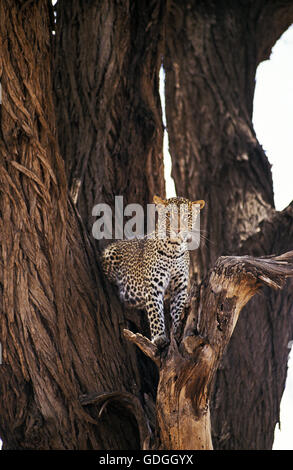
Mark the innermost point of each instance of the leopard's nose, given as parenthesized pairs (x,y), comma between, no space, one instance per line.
(185,235)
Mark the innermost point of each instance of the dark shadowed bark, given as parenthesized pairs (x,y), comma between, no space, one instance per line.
(213,49)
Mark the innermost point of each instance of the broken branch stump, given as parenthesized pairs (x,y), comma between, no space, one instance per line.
(188,365)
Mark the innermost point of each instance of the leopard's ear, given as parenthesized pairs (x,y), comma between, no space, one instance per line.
(158,200)
(201,203)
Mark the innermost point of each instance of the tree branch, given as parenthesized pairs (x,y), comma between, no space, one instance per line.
(128,401)
(276,16)
(144,344)
(274,233)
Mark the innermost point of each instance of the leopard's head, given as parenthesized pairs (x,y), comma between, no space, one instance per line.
(177,215)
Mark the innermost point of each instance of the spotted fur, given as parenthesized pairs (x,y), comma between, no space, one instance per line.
(146,269)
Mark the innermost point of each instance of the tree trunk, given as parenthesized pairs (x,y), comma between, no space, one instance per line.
(109,119)
(60,323)
(212,53)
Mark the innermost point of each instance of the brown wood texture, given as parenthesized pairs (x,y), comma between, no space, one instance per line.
(108,58)
(188,365)
(60,323)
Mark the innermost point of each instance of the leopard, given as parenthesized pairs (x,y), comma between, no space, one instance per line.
(148,269)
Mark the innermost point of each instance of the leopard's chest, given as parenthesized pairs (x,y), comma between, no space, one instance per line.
(158,266)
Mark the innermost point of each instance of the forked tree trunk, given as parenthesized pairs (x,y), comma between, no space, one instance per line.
(69,379)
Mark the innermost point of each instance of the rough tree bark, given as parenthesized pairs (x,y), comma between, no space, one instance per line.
(57,322)
(212,51)
(108,58)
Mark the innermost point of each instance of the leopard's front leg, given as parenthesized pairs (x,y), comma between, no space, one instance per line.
(155,312)
(178,289)
(155,293)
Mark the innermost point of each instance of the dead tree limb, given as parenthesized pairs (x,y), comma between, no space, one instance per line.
(188,366)
(125,400)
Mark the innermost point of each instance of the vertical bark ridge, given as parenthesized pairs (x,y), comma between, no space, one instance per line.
(111,137)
